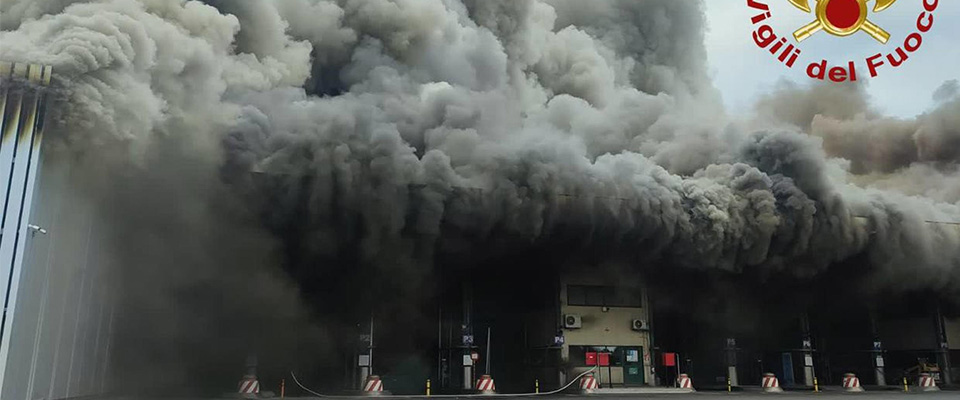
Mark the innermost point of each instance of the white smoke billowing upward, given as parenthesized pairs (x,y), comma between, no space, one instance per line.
(521,119)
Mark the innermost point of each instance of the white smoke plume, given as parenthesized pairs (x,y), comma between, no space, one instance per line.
(843,117)
(391,130)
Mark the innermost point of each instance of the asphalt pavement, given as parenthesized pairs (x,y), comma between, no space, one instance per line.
(829,395)
(943,395)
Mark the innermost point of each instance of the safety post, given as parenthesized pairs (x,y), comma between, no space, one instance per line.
(283,388)
(729,388)
(536,386)
(906,388)
(816,385)
(927,383)
(771,384)
(373,386)
(428,387)
(851,383)
(684,382)
(588,384)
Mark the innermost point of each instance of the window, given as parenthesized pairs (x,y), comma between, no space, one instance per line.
(609,296)
(624,297)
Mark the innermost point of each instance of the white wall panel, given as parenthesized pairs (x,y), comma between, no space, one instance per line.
(57,328)
(61,338)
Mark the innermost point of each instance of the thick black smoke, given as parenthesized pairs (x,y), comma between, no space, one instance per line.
(356,138)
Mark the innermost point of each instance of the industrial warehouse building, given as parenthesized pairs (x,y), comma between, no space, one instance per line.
(585,317)
(601,312)
(531,318)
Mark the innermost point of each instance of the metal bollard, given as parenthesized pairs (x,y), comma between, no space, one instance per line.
(536,386)
(428,387)
(816,385)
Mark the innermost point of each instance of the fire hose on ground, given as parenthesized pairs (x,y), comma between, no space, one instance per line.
(552,392)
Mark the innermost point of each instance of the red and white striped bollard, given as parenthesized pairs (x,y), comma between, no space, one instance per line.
(249,386)
(927,383)
(485,385)
(684,382)
(851,383)
(770,383)
(373,386)
(588,384)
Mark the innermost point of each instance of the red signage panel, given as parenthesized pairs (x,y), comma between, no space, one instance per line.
(670,359)
(604,359)
(591,358)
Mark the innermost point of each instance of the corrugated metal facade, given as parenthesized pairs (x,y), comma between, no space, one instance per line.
(57,322)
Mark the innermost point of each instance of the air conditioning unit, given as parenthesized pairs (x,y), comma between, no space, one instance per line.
(572,321)
(639,325)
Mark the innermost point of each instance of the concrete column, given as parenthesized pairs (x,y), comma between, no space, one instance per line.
(808,371)
(251,364)
(732,361)
(943,352)
(364,355)
(564,357)
(467,377)
(878,361)
(732,374)
(364,373)
(467,336)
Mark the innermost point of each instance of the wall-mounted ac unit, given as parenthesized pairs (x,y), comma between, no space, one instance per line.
(572,321)
(639,325)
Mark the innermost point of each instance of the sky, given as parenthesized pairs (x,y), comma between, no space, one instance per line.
(742,71)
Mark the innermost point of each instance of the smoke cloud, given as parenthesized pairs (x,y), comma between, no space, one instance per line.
(916,156)
(305,140)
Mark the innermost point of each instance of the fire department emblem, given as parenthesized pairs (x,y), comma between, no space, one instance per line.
(841,18)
